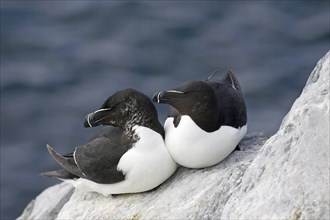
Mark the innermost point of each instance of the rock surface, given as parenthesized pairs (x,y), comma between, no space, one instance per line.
(285,178)
(289,179)
(49,203)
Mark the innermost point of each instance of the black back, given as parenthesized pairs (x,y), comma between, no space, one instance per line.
(210,104)
(231,105)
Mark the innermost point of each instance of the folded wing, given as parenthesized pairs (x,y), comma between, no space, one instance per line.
(96,160)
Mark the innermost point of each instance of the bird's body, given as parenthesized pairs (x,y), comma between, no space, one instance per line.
(206,122)
(128,158)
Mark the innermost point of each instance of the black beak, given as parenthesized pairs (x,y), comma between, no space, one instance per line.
(96,118)
(165,96)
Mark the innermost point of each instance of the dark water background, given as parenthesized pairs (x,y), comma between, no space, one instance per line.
(61,59)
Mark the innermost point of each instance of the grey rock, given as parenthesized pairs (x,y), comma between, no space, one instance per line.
(283,177)
(289,179)
(48,204)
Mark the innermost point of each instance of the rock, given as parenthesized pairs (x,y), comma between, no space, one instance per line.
(285,177)
(49,203)
(289,179)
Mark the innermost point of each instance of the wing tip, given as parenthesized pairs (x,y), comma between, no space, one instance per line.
(60,174)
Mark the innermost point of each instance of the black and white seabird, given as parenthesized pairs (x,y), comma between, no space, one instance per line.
(206,121)
(129,156)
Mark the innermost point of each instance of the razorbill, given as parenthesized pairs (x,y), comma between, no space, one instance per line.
(129,156)
(206,121)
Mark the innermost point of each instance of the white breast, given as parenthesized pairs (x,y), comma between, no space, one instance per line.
(192,147)
(146,166)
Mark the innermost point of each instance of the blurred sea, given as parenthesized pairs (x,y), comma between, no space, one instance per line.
(62,59)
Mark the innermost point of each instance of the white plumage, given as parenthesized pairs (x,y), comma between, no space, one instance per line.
(192,147)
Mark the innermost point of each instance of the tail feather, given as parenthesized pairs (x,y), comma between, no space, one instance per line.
(67,162)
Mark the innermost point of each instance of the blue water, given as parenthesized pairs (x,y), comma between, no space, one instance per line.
(62,59)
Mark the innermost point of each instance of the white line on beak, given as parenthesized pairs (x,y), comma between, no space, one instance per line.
(88,116)
(158,100)
(175,91)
